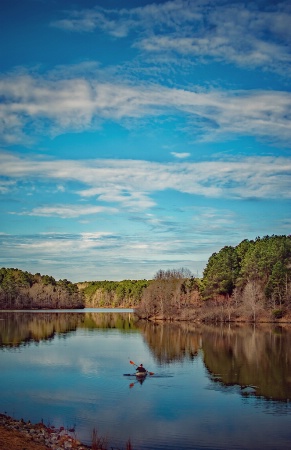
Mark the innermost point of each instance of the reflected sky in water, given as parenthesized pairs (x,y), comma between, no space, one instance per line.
(76,378)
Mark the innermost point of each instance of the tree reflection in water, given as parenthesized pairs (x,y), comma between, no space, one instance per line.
(18,328)
(171,341)
(250,356)
(256,359)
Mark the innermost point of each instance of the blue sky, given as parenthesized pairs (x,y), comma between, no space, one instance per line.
(141,135)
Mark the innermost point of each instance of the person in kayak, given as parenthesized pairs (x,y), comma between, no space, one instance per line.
(141,369)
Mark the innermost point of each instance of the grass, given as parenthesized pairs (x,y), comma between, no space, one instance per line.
(100,443)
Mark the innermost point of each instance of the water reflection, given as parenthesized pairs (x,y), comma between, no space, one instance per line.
(75,376)
(171,342)
(19,328)
(255,359)
(258,359)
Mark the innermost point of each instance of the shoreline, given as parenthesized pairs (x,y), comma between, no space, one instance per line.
(18,435)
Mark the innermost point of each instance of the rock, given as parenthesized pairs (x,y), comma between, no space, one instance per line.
(53,438)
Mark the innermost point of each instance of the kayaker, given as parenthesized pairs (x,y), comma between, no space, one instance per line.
(140,369)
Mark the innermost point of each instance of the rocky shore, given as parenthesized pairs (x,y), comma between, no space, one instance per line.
(21,435)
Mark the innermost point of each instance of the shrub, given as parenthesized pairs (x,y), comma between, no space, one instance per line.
(277,313)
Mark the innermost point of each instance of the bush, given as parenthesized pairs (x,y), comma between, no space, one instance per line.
(277,313)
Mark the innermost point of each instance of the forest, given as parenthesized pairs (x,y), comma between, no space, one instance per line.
(113,294)
(248,282)
(22,290)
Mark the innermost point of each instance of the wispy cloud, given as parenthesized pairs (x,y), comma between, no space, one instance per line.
(253,34)
(56,106)
(132,183)
(6,185)
(190,104)
(180,155)
(67,211)
(123,193)
(101,255)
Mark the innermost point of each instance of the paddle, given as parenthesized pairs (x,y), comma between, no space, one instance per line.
(150,373)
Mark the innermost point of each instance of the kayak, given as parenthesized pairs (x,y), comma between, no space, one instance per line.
(141,374)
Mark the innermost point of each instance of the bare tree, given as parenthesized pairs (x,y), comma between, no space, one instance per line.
(166,294)
(253,298)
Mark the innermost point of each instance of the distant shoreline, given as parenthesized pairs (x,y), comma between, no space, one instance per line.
(70,310)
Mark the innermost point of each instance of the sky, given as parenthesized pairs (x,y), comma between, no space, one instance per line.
(141,135)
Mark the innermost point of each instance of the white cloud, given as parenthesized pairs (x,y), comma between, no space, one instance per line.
(180,155)
(56,106)
(132,183)
(67,211)
(60,246)
(90,19)
(103,255)
(6,185)
(235,32)
(130,199)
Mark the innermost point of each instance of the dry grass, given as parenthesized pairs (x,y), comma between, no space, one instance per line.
(98,442)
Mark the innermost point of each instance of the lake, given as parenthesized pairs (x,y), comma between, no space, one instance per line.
(225,387)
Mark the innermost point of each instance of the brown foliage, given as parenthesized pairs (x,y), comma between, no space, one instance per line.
(40,296)
(168,296)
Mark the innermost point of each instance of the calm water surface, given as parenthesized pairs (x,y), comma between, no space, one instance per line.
(212,388)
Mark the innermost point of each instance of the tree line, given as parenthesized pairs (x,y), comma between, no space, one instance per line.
(22,290)
(113,294)
(251,281)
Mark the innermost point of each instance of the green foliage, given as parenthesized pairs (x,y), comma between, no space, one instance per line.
(265,261)
(46,280)
(277,313)
(256,273)
(22,290)
(263,254)
(10,279)
(221,273)
(67,286)
(114,293)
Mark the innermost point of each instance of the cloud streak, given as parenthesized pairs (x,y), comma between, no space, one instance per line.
(180,155)
(132,183)
(58,106)
(254,34)
(67,211)
(163,135)
(74,256)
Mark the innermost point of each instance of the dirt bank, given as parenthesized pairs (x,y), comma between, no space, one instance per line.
(20,435)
